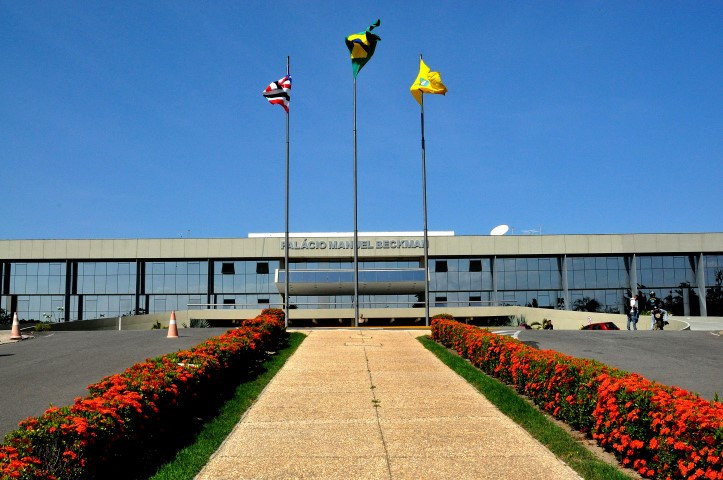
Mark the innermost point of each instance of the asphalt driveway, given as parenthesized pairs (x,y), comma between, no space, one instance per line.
(55,368)
(692,360)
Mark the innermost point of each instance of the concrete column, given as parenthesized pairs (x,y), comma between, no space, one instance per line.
(700,280)
(495,298)
(565,287)
(686,301)
(633,273)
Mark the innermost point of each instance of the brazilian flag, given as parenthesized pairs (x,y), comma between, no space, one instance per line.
(361,46)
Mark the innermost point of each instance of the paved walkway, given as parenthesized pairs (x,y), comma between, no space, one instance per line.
(375,404)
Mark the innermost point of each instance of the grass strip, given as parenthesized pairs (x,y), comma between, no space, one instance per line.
(505,398)
(192,458)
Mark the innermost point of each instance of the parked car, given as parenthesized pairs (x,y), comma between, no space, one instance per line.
(601,326)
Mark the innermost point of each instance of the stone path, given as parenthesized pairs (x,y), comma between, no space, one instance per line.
(374,404)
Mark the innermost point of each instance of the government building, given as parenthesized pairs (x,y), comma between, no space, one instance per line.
(469,276)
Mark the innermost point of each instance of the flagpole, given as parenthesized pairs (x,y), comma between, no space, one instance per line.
(286,232)
(356,233)
(424,202)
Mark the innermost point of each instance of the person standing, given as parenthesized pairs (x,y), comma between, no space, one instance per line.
(633,313)
(653,305)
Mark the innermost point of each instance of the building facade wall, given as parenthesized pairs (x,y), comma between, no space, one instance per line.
(60,280)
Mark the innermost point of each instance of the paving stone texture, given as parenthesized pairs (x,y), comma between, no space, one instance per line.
(375,404)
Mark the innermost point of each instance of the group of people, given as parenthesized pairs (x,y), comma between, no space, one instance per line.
(658,316)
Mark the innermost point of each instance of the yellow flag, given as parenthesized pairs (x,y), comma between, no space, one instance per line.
(426,82)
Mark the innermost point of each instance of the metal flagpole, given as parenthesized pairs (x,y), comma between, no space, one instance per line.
(424,201)
(356,234)
(286,233)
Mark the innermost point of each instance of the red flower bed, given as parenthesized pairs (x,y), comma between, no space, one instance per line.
(662,432)
(124,414)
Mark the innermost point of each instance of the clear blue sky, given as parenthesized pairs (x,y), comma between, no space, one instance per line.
(146,119)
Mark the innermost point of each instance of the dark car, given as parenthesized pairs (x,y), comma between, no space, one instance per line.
(601,326)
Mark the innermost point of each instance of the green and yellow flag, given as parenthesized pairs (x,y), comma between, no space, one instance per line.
(426,82)
(361,46)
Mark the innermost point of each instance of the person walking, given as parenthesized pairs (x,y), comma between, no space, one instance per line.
(655,306)
(659,316)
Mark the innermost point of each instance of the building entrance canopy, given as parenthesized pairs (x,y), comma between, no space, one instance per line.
(341,282)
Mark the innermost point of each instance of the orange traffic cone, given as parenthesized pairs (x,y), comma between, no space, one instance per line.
(15,332)
(172,327)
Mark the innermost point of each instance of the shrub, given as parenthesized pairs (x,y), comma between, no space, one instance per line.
(127,415)
(660,431)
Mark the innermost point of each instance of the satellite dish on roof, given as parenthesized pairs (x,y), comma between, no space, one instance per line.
(499,230)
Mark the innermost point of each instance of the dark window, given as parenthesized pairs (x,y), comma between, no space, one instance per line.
(228,268)
(475,298)
(229,301)
(264,300)
(440,266)
(475,265)
(262,268)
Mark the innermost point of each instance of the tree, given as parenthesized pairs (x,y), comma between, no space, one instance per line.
(4,316)
(586,304)
(714,296)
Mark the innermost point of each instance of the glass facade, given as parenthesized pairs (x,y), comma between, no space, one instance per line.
(176,277)
(460,282)
(672,278)
(106,278)
(37,278)
(530,281)
(36,290)
(245,284)
(72,290)
(598,283)
(714,284)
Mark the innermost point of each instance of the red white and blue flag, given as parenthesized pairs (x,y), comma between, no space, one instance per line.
(277,93)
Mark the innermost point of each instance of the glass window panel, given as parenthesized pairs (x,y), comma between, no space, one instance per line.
(601,278)
(453,281)
(533,279)
(545,280)
(645,262)
(508,264)
(520,279)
